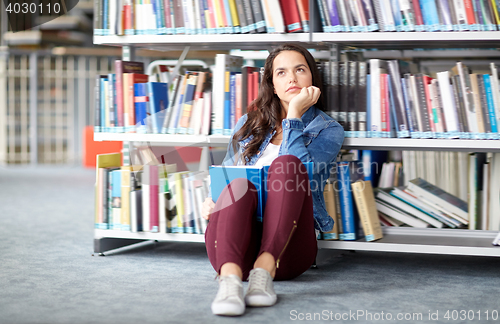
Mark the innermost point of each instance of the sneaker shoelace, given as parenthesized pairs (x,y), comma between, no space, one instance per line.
(228,287)
(259,281)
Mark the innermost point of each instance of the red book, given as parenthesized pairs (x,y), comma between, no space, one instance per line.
(168,15)
(250,88)
(427,81)
(256,82)
(127,17)
(419,20)
(291,16)
(384,116)
(469,11)
(154,220)
(120,68)
(129,79)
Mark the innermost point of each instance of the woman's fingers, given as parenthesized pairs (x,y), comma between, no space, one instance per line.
(207,208)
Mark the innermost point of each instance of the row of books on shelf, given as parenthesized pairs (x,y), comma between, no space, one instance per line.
(156,198)
(148,198)
(408,15)
(382,98)
(195,103)
(185,17)
(470,177)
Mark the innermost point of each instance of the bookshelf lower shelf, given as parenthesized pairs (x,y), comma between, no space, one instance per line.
(407,240)
(428,241)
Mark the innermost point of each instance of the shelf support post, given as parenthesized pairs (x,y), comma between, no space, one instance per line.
(128,53)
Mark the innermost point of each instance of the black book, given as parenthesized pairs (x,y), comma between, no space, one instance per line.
(344,94)
(459,104)
(352,100)
(422,103)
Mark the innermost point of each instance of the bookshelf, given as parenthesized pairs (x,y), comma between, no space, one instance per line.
(409,240)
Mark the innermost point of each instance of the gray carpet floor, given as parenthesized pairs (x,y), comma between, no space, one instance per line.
(49,273)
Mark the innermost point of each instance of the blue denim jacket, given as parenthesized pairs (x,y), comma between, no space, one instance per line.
(315,137)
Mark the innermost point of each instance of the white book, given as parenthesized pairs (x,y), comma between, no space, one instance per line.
(207,113)
(162,211)
(196,117)
(439,197)
(197,17)
(223,63)
(485,197)
(277,16)
(112,7)
(200,198)
(460,14)
(135,209)
(267,16)
(463,159)
(399,215)
(375,113)
(494,199)
(411,199)
(468,99)
(386,197)
(473,190)
(448,102)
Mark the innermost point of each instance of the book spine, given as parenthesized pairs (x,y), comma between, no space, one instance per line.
(491,106)
(422,103)
(260,23)
(362,99)
(349,232)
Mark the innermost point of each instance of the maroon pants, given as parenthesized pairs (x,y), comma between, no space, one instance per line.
(287,231)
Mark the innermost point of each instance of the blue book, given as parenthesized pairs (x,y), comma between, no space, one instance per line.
(229,19)
(430,15)
(116,199)
(347,210)
(187,107)
(105,14)
(334,17)
(491,106)
(227,104)
(141,108)
(372,165)
(158,103)
(104,82)
(221,176)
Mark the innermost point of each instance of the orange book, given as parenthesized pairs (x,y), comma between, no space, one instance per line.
(239,108)
(303,6)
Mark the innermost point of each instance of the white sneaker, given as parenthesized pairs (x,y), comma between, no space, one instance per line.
(260,289)
(229,298)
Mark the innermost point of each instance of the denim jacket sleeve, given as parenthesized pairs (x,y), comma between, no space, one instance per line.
(319,145)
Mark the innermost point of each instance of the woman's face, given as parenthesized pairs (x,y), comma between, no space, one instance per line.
(290,74)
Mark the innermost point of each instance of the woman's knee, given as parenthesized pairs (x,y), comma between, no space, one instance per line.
(240,190)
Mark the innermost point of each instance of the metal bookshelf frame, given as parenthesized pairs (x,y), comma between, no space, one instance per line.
(400,239)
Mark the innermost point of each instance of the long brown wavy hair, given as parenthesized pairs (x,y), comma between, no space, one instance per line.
(265,112)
